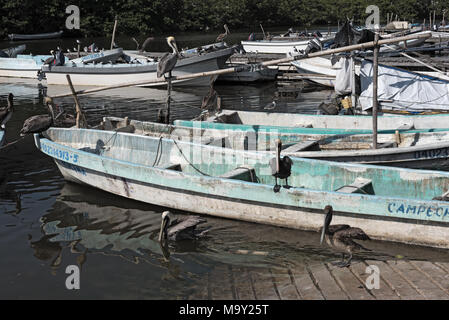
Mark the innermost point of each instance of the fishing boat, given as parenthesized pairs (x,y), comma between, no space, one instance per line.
(279,46)
(23,66)
(12,52)
(418,149)
(265,74)
(392,204)
(38,36)
(226,118)
(110,73)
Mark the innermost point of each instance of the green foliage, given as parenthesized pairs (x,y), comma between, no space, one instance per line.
(158,16)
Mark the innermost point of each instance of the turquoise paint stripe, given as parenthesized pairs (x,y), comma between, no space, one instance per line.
(282,129)
(365,205)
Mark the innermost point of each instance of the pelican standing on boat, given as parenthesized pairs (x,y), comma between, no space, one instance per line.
(165,65)
(223,36)
(281,167)
(39,123)
(6,112)
(177,229)
(341,237)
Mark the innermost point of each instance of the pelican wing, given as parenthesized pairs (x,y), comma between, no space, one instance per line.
(186,224)
(166,64)
(36,124)
(352,233)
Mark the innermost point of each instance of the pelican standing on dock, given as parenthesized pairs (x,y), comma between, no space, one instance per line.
(180,229)
(223,36)
(39,123)
(6,112)
(165,65)
(341,238)
(281,168)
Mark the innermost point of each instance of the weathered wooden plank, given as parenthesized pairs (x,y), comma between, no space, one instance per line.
(403,273)
(264,285)
(349,283)
(305,285)
(435,274)
(329,287)
(243,284)
(284,284)
(219,283)
(302,146)
(395,281)
(386,290)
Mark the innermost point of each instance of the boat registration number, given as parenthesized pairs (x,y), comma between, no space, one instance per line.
(60,154)
(429,154)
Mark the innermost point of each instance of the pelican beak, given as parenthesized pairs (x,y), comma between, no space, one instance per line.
(163,231)
(322,235)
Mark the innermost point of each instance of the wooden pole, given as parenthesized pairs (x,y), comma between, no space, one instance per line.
(80,119)
(113,32)
(169,84)
(264,36)
(375,80)
(361,46)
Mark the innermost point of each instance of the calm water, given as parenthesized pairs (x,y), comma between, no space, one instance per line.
(114,240)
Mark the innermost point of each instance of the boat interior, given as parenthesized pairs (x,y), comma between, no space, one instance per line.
(251,167)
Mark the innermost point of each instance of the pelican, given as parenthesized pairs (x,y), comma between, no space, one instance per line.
(39,123)
(340,237)
(280,168)
(52,59)
(180,229)
(6,112)
(168,61)
(222,36)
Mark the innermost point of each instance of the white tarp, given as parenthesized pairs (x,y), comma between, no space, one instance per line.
(343,79)
(403,90)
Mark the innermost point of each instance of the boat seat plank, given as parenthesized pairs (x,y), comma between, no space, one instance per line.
(219,141)
(241,173)
(387,145)
(360,185)
(309,145)
(406,127)
(172,166)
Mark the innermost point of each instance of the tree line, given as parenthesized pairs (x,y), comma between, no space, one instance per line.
(159,16)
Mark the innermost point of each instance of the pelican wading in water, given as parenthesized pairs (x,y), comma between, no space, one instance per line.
(223,36)
(341,238)
(39,123)
(280,167)
(177,229)
(7,112)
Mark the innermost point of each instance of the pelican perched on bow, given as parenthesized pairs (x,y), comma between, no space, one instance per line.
(39,123)
(6,112)
(222,36)
(168,61)
(341,237)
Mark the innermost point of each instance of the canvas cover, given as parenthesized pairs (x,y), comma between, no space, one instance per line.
(402,90)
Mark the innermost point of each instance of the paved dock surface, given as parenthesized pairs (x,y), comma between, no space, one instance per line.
(398,280)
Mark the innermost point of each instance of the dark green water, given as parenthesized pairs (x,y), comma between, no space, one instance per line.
(114,240)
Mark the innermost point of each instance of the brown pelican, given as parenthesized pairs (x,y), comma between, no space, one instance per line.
(52,59)
(168,61)
(146,43)
(180,229)
(39,123)
(6,112)
(222,36)
(280,168)
(340,237)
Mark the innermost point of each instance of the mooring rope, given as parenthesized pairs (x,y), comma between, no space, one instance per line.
(191,164)
(12,143)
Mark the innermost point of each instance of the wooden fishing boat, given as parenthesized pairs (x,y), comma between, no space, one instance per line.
(12,52)
(418,149)
(112,74)
(295,120)
(265,74)
(388,203)
(278,46)
(38,36)
(23,66)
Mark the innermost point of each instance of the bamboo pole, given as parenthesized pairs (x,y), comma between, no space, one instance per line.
(80,119)
(375,79)
(113,32)
(162,80)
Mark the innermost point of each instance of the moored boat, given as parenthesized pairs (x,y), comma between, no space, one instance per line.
(387,203)
(23,66)
(37,36)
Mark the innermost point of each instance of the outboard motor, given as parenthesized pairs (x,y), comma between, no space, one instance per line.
(314,45)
